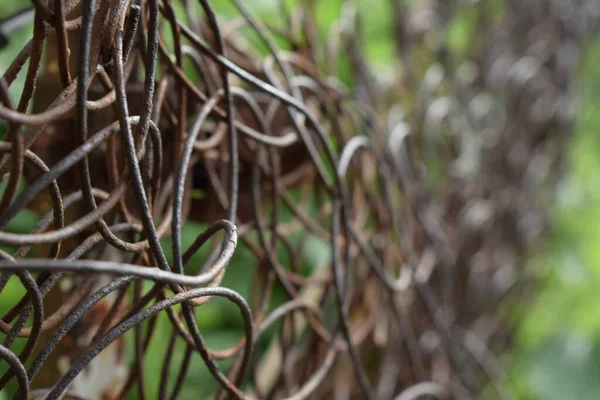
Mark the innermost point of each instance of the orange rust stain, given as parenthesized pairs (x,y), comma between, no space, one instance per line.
(109,394)
(97,313)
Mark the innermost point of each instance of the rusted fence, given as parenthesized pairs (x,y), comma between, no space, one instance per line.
(426,188)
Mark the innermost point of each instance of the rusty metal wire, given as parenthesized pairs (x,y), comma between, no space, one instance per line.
(427,187)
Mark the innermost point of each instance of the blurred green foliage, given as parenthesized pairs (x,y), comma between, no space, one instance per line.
(556,356)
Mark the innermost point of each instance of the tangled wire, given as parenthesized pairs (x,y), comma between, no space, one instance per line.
(149,114)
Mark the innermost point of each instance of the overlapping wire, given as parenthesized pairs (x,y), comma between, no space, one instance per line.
(426,205)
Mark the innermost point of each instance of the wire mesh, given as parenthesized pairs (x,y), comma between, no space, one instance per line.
(427,187)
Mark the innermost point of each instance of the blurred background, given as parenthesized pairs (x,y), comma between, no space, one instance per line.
(556,354)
